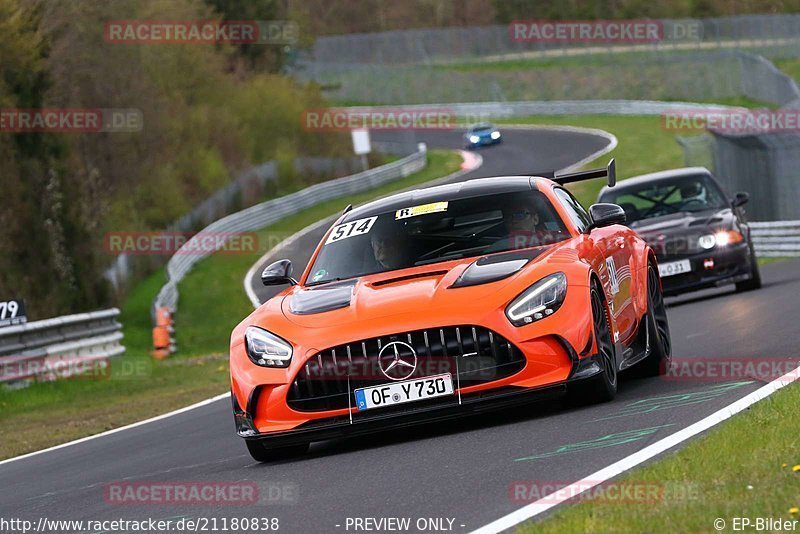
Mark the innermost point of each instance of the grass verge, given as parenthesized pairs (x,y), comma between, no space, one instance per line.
(137,387)
(790,66)
(721,478)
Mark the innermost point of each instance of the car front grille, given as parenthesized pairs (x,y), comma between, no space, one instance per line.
(471,354)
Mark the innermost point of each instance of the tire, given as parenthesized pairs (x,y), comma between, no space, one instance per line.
(602,387)
(261,453)
(657,363)
(755,276)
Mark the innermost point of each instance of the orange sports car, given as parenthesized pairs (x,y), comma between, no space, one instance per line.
(447,301)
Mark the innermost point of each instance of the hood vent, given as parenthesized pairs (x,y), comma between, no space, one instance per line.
(705,222)
(324,298)
(408,277)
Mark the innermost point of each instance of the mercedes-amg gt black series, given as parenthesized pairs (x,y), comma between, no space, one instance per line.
(699,234)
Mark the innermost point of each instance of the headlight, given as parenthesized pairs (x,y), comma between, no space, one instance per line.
(730,237)
(720,239)
(266,349)
(540,300)
(474,138)
(707,241)
(495,135)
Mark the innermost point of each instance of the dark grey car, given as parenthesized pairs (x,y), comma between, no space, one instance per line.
(700,235)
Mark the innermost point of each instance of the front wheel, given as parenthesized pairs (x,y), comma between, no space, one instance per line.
(262,453)
(602,387)
(755,276)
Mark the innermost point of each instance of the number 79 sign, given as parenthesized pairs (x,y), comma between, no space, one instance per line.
(12,312)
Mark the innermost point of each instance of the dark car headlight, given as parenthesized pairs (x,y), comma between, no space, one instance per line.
(266,349)
(720,239)
(540,300)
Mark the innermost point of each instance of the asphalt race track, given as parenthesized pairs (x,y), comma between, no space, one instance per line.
(462,470)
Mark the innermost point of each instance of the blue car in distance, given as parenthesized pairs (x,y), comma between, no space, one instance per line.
(482,135)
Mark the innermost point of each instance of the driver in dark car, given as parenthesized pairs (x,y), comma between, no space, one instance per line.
(692,193)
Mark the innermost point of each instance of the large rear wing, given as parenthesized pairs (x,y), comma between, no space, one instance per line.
(610,172)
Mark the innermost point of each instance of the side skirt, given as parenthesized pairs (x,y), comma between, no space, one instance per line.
(640,348)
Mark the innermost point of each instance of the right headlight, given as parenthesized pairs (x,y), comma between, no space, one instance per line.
(540,300)
(266,349)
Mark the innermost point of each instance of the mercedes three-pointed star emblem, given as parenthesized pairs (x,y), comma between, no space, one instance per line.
(397,360)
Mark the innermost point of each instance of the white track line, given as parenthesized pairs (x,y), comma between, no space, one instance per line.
(554,499)
(120,429)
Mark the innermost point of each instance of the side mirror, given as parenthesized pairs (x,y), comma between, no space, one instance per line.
(605,215)
(740,199)
(278,273)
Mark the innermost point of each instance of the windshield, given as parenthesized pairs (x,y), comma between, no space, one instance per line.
(665,197)
(437,232)
(481,128)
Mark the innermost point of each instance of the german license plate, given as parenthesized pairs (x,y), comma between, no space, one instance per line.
(405,391)
(674,267)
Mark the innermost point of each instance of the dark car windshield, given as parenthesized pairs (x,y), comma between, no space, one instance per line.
(436,232)
(665,197)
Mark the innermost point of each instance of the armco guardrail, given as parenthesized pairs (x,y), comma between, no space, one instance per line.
(58,347)
(776,238)
(477,111)
(266,213)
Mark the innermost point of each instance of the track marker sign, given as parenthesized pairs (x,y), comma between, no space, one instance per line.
(361,143)
(12,312)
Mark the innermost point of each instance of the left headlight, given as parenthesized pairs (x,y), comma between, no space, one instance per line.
(540,300)
(474,138)
(266,349)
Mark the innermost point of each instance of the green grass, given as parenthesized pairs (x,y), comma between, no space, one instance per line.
(789,66)
(767,261)
(743,468)
(212,302)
